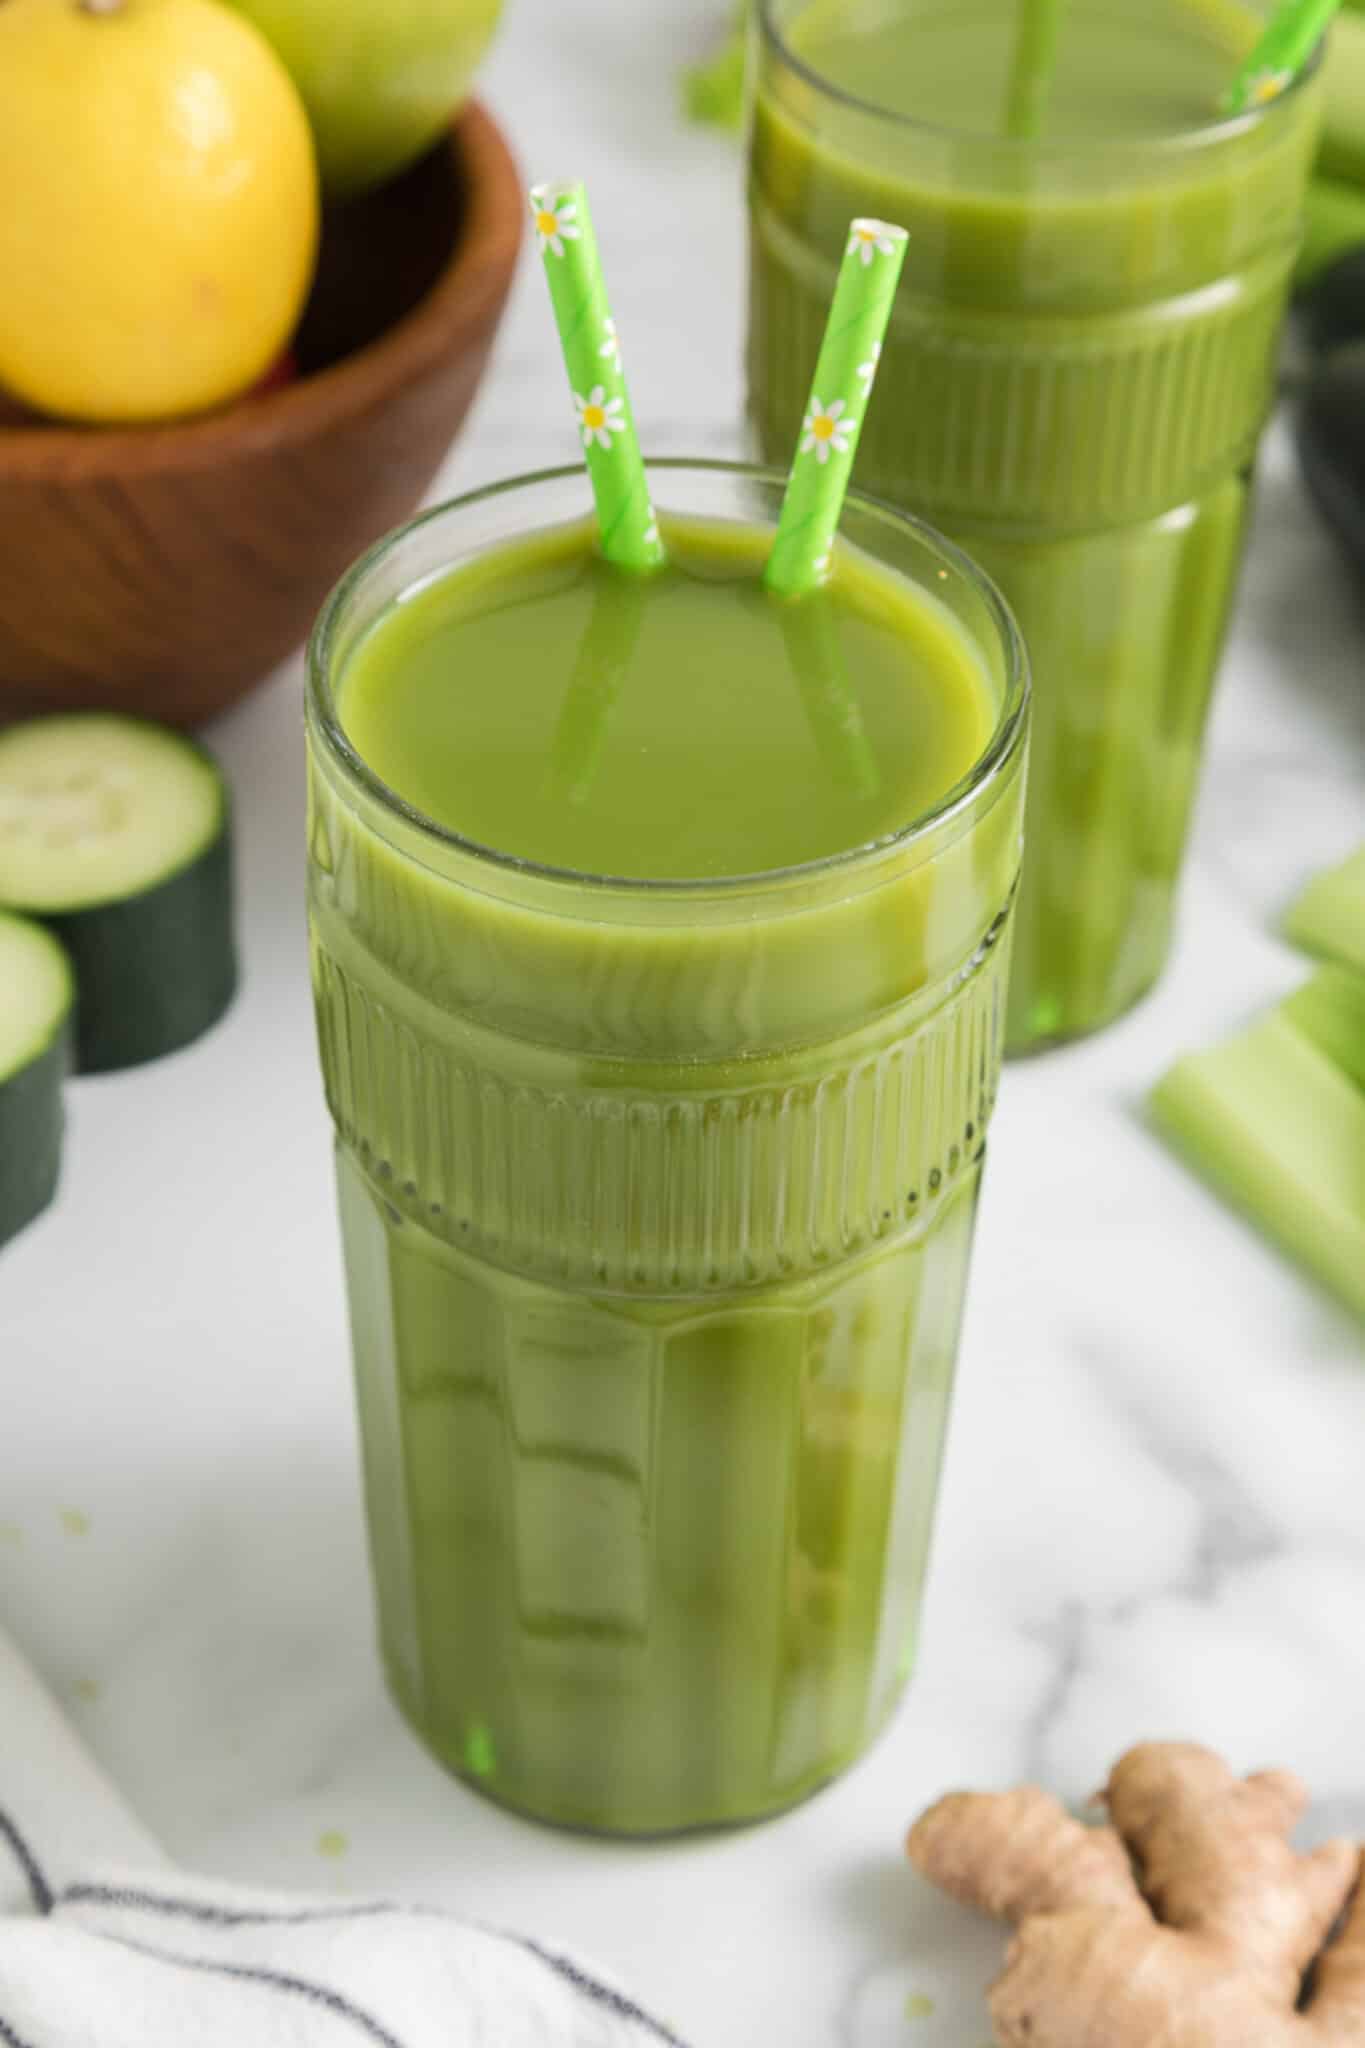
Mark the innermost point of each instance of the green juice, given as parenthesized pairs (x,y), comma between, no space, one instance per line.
(690,745)
(657,1191)
(1078,369)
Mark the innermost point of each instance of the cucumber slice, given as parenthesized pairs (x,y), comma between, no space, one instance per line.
(1279,1130)
(115,834)
(37,994)
(1330,1011)
(1329,916)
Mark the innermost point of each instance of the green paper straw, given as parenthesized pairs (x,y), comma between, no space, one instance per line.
(627,527)
(844,377)
(1292,34)
(1035,53)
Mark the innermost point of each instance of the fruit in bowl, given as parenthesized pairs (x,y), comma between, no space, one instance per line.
(160,223)
(220,382)
(380,78)
(165,570)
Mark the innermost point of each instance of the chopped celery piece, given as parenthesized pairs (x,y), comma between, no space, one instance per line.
(1334,221)
(1279,1129)
(1330,1010)
(1329,916)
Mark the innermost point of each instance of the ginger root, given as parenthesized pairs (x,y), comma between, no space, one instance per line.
(1188,1922)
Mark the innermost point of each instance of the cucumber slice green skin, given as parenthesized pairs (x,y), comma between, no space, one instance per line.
(119,843)
(31,1127)
(156,970)
(37,998)
(1279,1130)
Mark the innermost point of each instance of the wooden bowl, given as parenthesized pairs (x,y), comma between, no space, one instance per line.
(167,570)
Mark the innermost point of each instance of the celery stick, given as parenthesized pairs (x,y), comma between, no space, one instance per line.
(1330,1010)
(1329,916)
(1279,1130)
(1343,130)
(713,93)
(1334,222)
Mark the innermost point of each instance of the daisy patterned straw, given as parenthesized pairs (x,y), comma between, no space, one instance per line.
(627,527)
(844,377)
(1292,34)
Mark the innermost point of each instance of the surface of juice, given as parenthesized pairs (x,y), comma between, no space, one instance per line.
(1115,73)
(676,726)
(657,1197)
(1079,365)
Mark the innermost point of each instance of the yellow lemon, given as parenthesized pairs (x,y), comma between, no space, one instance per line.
(159,223)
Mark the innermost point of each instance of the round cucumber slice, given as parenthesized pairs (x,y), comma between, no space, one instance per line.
(115,833)
(95,808)
(37,993)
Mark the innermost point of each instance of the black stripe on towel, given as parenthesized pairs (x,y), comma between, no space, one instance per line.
(28,1863)
(320,1995)
(209,1915)
(122,1900)
(592,1988)
(9,2037)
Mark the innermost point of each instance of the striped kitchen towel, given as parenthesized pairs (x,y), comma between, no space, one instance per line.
(105,1945)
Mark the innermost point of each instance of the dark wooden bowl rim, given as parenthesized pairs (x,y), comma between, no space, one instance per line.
(457,304)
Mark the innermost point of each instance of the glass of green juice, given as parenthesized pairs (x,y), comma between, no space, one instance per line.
(1079,364)
(659,937)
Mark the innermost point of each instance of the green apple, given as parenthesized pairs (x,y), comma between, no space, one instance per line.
(380,78)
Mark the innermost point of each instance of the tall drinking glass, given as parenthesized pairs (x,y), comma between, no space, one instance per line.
(1078,369)
(656,1201)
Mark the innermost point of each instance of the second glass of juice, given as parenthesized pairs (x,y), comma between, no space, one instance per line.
(1078,367)
(660,933)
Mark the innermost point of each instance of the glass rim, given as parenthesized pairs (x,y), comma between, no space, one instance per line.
(1226,128)
(985,770)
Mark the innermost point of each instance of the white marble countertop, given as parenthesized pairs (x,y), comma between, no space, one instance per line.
(1152,1522)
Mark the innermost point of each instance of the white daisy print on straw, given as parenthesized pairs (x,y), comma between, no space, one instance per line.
(826,429)
(868,370)
(869,239)
(555,224)
(1267,86)
(600,417)
(611,345)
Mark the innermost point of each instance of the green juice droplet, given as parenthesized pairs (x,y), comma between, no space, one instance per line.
(480,1757)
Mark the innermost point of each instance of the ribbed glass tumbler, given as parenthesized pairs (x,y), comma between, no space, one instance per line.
(1077,372)
(657,1202)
